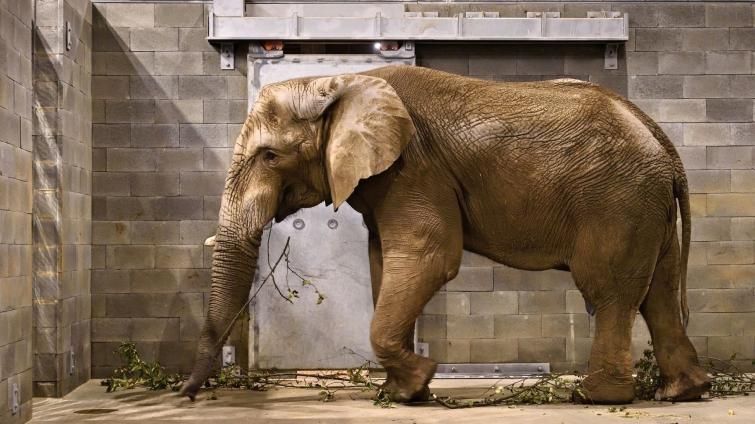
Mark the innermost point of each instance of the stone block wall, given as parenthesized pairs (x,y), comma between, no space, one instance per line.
(15,209)
(690,66)
(165,117)
(62,195)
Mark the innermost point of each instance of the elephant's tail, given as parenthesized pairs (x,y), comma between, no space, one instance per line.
(681,193)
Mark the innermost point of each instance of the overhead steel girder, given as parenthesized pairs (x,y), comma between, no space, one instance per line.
(228,23)
(294,27)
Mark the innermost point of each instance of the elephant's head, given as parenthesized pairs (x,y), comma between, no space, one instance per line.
(304,142)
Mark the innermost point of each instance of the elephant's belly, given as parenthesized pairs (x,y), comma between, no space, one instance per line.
(524,252)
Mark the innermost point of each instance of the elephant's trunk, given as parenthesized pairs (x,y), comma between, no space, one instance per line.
(234,262)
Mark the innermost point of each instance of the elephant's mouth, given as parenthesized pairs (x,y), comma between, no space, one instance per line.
(285,204)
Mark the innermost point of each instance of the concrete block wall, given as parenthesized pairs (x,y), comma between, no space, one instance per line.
(691,67)
(165,117)
(165,114)
(62,196)
(15,208)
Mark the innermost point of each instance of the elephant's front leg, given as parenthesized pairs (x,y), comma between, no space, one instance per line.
(376,276)
(418,257)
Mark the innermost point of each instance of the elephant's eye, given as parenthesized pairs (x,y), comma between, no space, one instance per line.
(269,156)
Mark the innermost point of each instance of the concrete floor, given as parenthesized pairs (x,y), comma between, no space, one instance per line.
(291,405)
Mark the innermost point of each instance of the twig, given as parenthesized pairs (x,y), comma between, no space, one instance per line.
(534,394)
(227,331)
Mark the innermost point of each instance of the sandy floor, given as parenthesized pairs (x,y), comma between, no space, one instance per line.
(290,405)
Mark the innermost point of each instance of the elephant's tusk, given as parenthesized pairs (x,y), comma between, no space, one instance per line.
(210,241)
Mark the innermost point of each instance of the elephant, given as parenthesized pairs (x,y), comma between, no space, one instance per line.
(559,174)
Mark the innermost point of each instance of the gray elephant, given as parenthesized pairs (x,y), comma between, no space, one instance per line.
(557,174)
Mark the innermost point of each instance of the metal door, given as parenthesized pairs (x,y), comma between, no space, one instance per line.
(329,248)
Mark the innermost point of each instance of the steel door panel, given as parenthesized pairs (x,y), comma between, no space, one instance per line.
(327,247)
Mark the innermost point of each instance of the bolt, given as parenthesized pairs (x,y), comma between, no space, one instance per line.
(332,224)
(299,223)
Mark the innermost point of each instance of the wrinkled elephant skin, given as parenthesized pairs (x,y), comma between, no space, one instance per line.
(557,174)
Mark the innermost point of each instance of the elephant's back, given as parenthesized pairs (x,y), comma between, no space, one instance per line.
(534,163)
(564,138)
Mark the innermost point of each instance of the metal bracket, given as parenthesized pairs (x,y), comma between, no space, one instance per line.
(611,57)
(422,349)
(226,56)
(549,15)
(491,370)
(395,50)
(604,14)
(72,362)
(15,398)
(69,36)
(480,15)
(257,50)
(229,355)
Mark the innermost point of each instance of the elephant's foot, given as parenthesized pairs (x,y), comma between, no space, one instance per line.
(406,384)
(190,388)
(599,391)
(404,395)
(687,386)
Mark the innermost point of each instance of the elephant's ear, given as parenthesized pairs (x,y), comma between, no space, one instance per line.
(368,127)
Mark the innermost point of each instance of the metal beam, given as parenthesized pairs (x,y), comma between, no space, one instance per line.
(412,27)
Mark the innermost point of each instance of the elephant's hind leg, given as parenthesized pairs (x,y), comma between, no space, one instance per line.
(683,377)
(609,377)
(613,278)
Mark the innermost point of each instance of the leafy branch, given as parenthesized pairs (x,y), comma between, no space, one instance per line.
(549,388)
(328,383)
(648,378)
(137,372)
(725,377)
(728,379)
(271,277)
(290,294)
